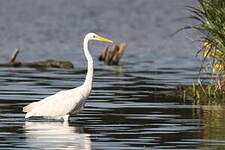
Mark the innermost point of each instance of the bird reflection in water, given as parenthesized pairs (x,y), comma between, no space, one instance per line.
(55,135)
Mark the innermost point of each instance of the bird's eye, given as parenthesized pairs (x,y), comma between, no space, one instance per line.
(94,36)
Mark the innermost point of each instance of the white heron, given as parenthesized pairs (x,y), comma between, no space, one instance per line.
(64,103)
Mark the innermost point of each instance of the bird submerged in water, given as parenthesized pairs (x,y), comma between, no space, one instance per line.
(64,103)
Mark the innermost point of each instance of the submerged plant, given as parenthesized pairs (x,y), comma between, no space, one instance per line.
(211,26)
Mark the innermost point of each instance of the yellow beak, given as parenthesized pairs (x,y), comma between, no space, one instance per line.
(104,39)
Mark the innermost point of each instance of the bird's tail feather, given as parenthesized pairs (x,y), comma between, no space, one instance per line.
(27,115)
(30,107)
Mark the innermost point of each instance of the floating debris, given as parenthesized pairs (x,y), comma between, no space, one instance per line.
(39,64)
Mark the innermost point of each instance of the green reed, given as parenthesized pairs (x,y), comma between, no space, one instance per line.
(210,18)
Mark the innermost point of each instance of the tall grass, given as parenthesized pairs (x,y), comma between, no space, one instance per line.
(210,17)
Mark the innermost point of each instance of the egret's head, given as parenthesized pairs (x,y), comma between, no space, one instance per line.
(93,36)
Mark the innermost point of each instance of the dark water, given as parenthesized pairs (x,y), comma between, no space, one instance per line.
(131,105)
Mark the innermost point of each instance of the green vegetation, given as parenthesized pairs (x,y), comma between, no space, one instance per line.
(210,17)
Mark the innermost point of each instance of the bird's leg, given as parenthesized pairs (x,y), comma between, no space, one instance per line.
(66,118)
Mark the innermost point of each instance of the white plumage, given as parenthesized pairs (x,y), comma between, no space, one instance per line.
(67,102)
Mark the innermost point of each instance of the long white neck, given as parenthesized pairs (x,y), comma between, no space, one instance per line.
(90,68)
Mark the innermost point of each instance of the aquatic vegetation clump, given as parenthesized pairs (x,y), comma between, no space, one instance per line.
(210,17)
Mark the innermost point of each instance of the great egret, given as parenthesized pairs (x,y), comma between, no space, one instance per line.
(64,103)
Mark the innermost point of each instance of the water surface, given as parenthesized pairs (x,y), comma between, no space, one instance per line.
(132,105)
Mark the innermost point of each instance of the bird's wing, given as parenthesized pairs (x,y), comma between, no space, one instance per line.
(34,105)
(59,104)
